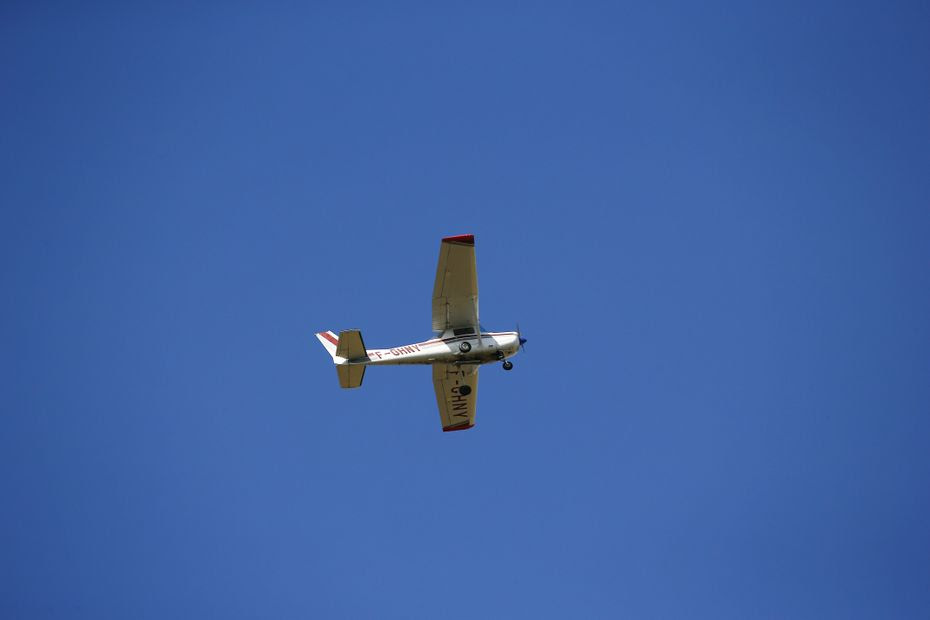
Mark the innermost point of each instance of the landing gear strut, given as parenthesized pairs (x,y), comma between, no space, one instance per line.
(508,365)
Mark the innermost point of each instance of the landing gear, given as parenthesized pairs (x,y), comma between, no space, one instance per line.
(465,347)
(508,365)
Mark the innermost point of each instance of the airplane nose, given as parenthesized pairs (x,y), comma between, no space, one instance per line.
(522,341)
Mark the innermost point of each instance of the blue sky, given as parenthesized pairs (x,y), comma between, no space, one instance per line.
(711,222)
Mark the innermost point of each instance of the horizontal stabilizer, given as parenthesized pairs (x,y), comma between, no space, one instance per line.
(350,375)
(350,345)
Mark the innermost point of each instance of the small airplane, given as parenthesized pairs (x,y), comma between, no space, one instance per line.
(461,345)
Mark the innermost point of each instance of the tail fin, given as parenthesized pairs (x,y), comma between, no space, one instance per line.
(329,340)
(348,353)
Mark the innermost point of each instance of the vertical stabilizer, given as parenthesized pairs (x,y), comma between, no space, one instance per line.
(329,341)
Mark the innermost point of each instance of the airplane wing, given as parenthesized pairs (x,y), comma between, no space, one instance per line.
(456,393)
(455,293)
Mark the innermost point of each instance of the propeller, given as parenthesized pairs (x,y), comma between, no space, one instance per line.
(521,339)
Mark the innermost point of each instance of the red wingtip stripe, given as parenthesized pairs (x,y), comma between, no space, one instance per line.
(459,427)
(463,239)
(327,335)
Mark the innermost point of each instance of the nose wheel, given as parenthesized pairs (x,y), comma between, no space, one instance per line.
(508,365)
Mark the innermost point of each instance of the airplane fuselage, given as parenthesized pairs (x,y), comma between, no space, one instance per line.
(447,349)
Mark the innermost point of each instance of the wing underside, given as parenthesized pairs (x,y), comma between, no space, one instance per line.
(455,292)
(456,395)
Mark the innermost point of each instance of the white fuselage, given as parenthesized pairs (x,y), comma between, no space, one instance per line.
(447,349)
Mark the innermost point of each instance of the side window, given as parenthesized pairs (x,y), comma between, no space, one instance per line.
(462,331)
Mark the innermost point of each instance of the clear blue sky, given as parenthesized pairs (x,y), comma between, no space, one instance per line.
(711,220)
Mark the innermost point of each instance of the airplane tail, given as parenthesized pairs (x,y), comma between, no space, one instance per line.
(348,353)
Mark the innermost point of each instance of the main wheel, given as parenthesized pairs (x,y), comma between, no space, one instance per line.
(465,347)
(508,365)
